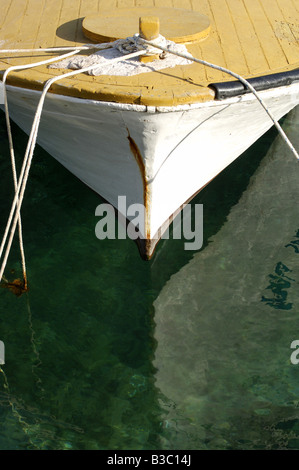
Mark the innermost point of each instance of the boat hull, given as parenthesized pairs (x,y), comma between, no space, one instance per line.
(158,157)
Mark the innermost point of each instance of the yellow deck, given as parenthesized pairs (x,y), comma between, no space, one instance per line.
(250,37)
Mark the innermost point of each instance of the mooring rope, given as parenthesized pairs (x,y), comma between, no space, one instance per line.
(20,184)
(85,47)
(22,181)
(233,74)
(12,156)
(15,180)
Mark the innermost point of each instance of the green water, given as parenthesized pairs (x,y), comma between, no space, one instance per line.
(188,351)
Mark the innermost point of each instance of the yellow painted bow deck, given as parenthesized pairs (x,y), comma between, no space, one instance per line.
(250,37)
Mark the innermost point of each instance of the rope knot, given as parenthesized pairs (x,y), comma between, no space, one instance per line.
(135,43)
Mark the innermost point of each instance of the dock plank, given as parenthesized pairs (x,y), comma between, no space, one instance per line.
(230,43)
(13,22)
(211,47)
(269,42)
(250,37)
(30,30)
(163,3)
(49,23)
(291,15)
(144,3)
(125,3)
(106,5)
(4,8)
(281,29)
(296,6)
(255,57)
(68,22)
(182,4)
(86,8)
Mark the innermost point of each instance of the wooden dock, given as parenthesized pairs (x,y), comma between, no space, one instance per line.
(250,37)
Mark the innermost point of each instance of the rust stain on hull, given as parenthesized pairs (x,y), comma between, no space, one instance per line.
(138,157)
(148,245)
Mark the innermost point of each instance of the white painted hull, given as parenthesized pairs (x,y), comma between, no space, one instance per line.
(159,157)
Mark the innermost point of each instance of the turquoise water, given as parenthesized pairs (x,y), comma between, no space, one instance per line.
(188,351)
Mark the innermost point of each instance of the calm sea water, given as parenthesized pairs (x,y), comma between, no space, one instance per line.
(188,351)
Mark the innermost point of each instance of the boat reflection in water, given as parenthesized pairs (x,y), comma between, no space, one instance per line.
(226,320)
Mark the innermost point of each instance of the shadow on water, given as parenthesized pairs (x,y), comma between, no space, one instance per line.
(226,320)
(110,352)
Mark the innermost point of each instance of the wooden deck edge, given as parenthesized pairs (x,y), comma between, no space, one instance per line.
(142,96)
(113,93)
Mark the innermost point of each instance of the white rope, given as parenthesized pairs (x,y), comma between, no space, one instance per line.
(127,45)
(85,47)
(131,44)
(126,68)
(124,46)
(235,75)
(19,194)
(15,180)
(12,156)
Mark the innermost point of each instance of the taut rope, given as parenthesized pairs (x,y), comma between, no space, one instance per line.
(129,44)
(235,75)
(22,181)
